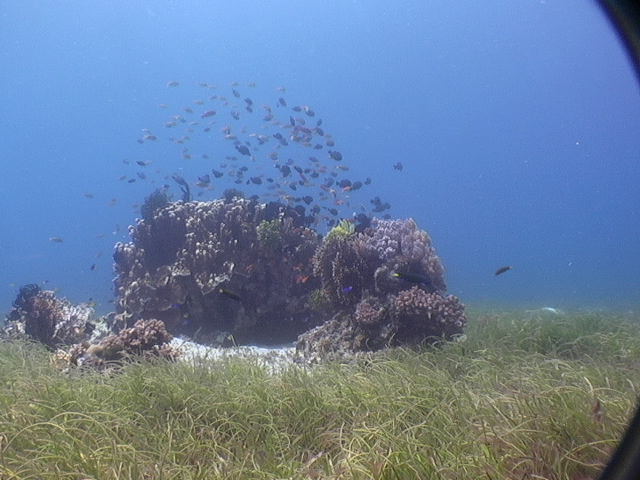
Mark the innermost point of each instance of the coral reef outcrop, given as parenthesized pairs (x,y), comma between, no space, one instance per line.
(40,315)
(387,285)
(147,338)
(235,271)
(231,265)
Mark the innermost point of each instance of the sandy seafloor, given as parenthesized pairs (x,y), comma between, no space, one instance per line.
(275,358)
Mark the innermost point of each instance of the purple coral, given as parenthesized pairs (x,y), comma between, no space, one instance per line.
(418,315)
(403,244)
(369,312)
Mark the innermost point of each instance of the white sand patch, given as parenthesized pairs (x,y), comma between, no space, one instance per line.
(275,358)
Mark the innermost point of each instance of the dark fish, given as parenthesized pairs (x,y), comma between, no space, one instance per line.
(297,108)
(142,163)
(356,185)
(413,277)
(141,175)
(333,211)
(184,186)
(367,181)
(337,156)
(501,270)
(307,199)
(398,166)
(92,267)
(256,180)
(235,93)
(282,102)
(285,170)
(208,113)
(243,150)
(205,178)
(56,239)
(230,294)
(217,174)
(131,180)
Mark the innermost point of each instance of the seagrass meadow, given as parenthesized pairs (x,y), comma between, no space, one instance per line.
(522,395)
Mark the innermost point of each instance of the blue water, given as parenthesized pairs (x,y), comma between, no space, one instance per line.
(516,123)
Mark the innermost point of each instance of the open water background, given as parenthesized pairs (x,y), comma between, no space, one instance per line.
(516,121)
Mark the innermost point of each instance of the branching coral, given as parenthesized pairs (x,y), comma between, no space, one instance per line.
(370,312)
(418,315)
(402,245)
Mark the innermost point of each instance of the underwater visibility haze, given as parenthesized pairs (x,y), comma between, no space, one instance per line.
(329,240)
(506,129)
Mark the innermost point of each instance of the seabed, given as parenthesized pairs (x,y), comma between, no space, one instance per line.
(521,395)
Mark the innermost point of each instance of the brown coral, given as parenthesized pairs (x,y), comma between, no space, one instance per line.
(145,338)
(53,321)
(344,272)
(370,312)
(418,315)
(182,258)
